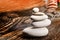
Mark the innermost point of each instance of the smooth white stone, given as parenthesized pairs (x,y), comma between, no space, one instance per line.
(42,23)
(36,9)
(39,17)
(36,31)
(39,13)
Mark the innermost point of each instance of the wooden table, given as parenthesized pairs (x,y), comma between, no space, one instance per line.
(54,33)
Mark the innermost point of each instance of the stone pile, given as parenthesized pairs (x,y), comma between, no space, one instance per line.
(39,24)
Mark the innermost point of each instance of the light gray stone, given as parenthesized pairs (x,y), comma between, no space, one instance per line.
(39,17)
(42,23)
(37,32)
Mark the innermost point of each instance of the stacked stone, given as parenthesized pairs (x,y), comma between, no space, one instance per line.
(40,22)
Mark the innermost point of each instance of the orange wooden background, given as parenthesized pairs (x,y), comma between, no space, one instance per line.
(9,5)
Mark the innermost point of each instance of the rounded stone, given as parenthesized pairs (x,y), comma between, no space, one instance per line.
(39,13)
(39,16)
(37,32)
(42,17)
(42,23)
(36,9)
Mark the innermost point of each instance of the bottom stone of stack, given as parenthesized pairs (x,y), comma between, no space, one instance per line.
(37,32)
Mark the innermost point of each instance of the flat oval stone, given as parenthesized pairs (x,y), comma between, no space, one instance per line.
(37,32)
(34,17)
(39,13)
(42,23)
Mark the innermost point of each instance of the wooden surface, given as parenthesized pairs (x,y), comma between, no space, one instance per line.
(54,33)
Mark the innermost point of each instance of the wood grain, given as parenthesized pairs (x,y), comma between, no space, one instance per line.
(54,33)
(17,34)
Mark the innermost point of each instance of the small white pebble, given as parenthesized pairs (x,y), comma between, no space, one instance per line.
(36,9)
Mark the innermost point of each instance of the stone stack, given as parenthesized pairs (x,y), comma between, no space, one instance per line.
(39,24)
